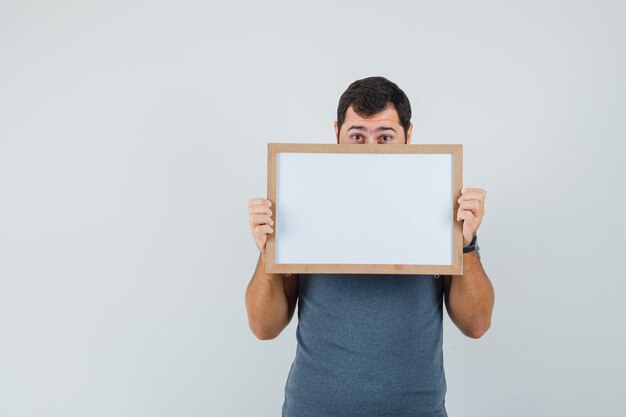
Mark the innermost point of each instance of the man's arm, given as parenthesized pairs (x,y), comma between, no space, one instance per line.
(270,298)
(470,297)
(270,301)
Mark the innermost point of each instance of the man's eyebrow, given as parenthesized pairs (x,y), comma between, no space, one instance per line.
(379,129)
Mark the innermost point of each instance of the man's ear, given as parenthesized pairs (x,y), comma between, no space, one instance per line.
(336,131)
(409,133)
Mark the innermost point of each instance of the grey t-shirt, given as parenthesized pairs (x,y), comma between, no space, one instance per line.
(368,345)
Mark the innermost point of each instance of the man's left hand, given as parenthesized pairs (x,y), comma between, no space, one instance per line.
(471,211)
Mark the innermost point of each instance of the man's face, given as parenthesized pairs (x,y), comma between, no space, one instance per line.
(382,128)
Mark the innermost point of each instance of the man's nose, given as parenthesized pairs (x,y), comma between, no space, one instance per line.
(370,140)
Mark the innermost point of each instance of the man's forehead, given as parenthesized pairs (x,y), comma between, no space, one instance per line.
(388,115)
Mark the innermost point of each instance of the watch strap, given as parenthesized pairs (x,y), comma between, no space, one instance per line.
(472,246)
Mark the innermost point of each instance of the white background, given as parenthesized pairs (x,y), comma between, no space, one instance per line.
(133,133)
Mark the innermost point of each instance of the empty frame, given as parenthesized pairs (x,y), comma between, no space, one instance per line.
(368,209)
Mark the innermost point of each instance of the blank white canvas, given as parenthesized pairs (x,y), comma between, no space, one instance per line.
(336,208)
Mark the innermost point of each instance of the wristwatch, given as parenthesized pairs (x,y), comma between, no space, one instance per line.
(471,246)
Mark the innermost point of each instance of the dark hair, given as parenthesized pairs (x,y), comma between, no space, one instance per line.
(373,95)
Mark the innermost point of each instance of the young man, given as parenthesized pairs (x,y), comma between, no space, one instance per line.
(370,345)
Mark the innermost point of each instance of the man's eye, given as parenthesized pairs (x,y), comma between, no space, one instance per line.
(357,138)
(385,138)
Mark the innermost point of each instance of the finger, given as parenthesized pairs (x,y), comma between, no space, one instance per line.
(263,229)
(470,221)
(470,225)
(261,201)
(474,202)
(474,191)
(471,196)
(258,219)
(474,206)
(465,215)
(259,209)
(468,189)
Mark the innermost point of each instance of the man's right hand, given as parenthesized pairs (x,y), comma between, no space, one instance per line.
(261,222)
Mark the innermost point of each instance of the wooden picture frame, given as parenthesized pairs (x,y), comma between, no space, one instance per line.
(345,209)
